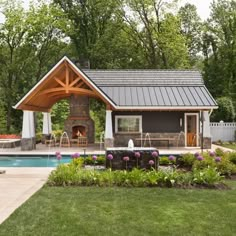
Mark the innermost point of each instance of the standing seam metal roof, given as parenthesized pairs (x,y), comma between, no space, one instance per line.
(153,88)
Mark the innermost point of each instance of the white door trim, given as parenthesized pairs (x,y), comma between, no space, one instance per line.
(197,128)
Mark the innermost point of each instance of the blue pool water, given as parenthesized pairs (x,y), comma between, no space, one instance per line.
(32,161)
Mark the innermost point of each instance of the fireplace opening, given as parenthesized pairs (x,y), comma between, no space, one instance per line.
(78,131)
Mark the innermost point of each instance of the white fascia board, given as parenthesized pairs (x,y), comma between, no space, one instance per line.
(165,108)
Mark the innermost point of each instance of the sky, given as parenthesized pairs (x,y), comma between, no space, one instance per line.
(203,7)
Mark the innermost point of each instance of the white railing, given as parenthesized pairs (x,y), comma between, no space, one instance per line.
(224,131)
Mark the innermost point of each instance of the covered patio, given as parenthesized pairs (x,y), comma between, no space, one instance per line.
(148,106)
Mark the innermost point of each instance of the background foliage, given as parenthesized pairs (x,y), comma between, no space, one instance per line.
(124,34)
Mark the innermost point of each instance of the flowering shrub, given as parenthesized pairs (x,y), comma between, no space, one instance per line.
(212,154)
(110,157)
(200,158)
(151,162)
(75,155)
(155,154)
(137,154)
(172,159)
(66,175)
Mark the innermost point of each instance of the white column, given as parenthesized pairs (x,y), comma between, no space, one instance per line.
(32,127)
(206,125)
(108,126)
(47,123)
(26,129)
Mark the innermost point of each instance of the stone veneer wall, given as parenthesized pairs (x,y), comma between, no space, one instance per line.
(121,140)
(87,123)
(79,115)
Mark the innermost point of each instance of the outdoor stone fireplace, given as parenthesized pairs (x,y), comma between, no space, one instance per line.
(79,122)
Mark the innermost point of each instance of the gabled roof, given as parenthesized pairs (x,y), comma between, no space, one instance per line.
(121,89)
(162,89)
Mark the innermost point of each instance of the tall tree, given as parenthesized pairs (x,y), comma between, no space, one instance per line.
(157,31)
(191,26)
(88,22)
(29,42)
(220,49)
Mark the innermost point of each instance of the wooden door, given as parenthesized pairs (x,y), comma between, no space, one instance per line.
(191,130)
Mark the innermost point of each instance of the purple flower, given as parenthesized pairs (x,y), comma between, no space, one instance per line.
(218,159)
(59,157)
(75,155)
(137,154)
(171,158)
(197,154)
(155,154)
(212,153)
(200,158)
(151,162)
(57,153)
(109,157)
(94,157)
(126,158)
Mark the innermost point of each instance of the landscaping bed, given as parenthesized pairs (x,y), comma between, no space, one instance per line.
(187,171)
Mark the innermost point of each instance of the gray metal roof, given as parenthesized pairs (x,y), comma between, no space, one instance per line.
(153,88)
(144,77)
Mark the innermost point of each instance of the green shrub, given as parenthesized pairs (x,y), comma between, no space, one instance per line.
(232,157)
(219,152)
(77,162)
(100,160)
(207,161)
(187,160)
(38,137)
(164,160)
(207,176)
(66,175)
(58,134)
(225,167)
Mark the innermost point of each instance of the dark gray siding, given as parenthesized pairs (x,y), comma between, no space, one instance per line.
(157,121)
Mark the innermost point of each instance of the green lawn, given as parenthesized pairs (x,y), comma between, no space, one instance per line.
(125,211)
(231,146)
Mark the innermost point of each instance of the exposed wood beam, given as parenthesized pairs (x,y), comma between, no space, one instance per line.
(59,82)
(80,83)
(34,108)
(74,82)
(70,89)
(67,78)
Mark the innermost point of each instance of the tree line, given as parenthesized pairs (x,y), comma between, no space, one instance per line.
(125,34)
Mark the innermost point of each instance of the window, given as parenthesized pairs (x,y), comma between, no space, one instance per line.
(128,124)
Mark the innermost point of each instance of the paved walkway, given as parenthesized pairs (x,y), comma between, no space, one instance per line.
(17,185)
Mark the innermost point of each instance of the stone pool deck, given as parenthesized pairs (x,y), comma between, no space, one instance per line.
(17,185)
(42,149)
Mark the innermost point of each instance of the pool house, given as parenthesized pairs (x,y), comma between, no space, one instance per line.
(164,107)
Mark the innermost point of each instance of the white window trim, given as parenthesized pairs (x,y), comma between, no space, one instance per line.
(126,116)
(185,126)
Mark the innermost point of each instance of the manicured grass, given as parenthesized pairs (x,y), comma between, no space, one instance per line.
(231,146)
(125,211)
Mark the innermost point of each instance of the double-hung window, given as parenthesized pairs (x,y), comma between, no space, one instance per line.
(128,124)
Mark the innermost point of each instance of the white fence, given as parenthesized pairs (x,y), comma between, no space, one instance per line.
(224,131)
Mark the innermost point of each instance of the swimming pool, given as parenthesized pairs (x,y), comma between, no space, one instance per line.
(32,161)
